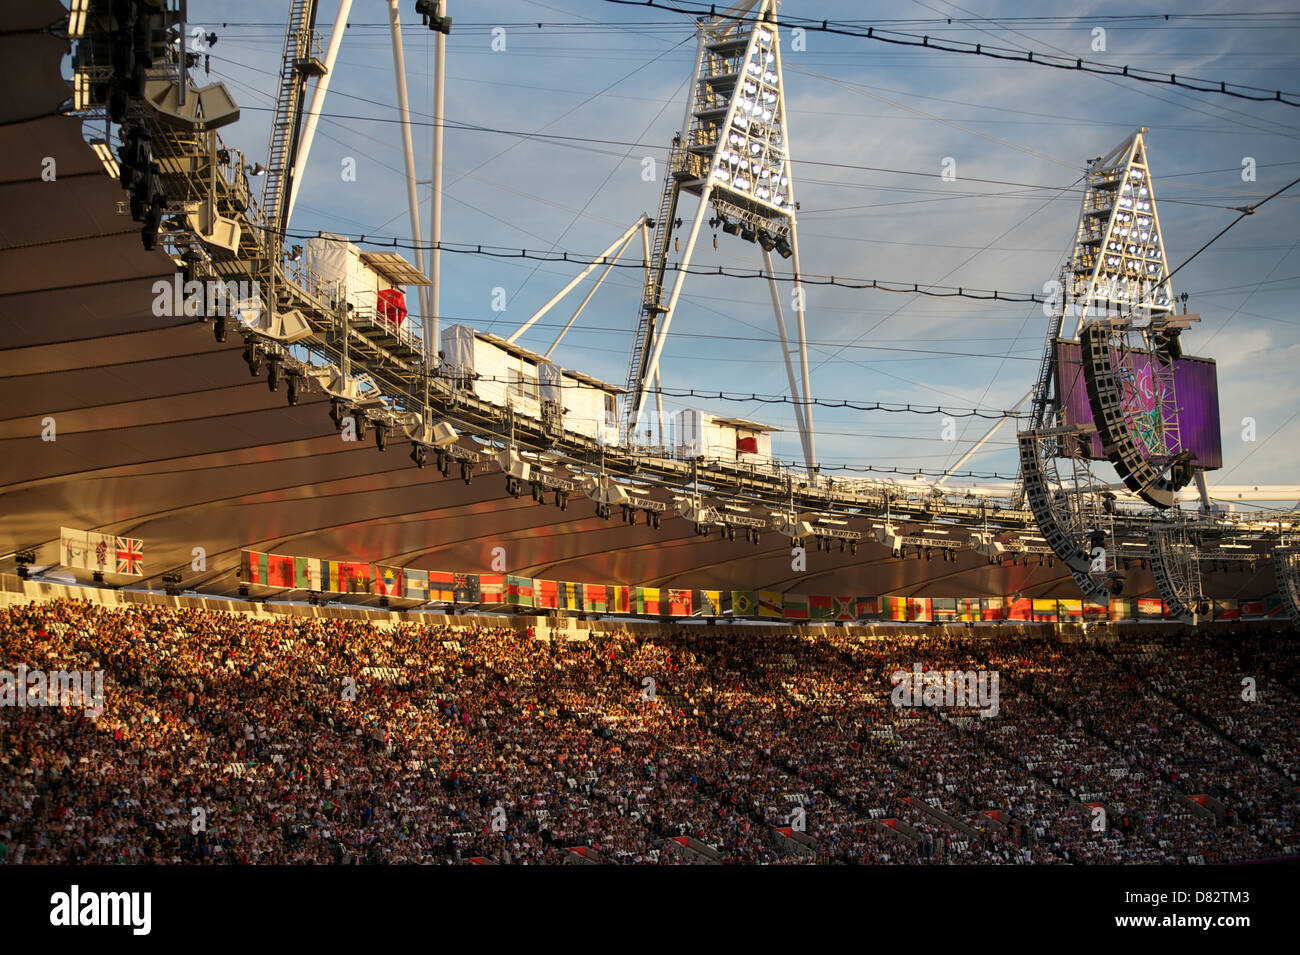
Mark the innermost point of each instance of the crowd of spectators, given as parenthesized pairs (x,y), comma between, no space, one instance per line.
(273,738)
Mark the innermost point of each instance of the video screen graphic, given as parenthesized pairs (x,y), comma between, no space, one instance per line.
(1196,387)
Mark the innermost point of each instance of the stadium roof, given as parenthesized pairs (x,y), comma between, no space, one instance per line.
(158,432)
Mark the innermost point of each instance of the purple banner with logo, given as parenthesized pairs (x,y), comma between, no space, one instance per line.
(1196,388)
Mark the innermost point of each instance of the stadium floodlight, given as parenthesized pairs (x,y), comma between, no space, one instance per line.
(105,154)
(419,454)
(291,381)
(77,19)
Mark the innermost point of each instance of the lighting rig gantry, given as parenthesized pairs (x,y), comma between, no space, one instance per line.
(1117,286)
(735,158)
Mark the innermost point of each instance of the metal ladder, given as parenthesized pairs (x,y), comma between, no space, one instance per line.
(652,296)
(284,128)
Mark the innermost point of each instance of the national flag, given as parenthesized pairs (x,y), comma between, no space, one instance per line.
(1022,609)
(546,594)
(993,608)
(101,552)
(357,577)
(622,602)
(279,571)
(253,567)
(868,607)
(744,603)
(1094,611)
(968,609)
(770,603)
(1250,608)
(1045,610)
(795,606)
(1273,606)
(415,584)
(442,586)
(595,596)
(465,588)
(388,581)
(130,556)
(1069,608)
(894,608)
(679,603)
(845,607)
(72,548)
(492,589)
(709,602)
(943,609)
(919,609)
(1223,610)
(821,607)
(646,600)
(519,591)
(570,595)
(1150,608)
(307,573)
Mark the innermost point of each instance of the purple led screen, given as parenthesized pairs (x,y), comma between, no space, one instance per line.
(1196,386)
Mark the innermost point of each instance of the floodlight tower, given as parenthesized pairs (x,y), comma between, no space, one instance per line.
(735,157)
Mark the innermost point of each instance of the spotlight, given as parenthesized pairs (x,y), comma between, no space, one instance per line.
(243,590)
(649,519)
(273,372)
(292,381)
(755,536)
(843,544)
(253,355)
(361,423)
(731,228)
(654,520)
(337,413)
(853,547)
(257,169)
(766,241)
(219,328)
(783,247)
(749,235)
(562,500)
(444,463)
(295,255)
(466,472)
(749,533)
(381,436)
(419,454)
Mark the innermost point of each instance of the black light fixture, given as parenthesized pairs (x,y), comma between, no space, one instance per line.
(562,500)
(361,423)
(291,380)
(273,372)
(337,413)
(381,436)
(467,472)
(853,547)
(219,328)
(765,240)
(748,234)
(513,486)
(419,454)
(253,355)
(783,247)
(731,228)
(24,559)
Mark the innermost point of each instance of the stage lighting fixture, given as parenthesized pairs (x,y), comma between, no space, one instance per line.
(731,228)
(783,247)
(466,472)
(243,590)
(257,169)
(654,519)
(361,423)
(897,553)
(444,462)
(273,372)
(766,241)
(291,380)
(337,413)
(219,328)
(843,544)
(295,255)
(253,355)
(562,500)
(853,547)
(381,436)
(152,223)
(419,454)
(748,234)
(513,487)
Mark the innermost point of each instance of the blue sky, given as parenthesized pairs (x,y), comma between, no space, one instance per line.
(616,77)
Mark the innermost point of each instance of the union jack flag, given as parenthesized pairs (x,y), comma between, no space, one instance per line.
(130,556)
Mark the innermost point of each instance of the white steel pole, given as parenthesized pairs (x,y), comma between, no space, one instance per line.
(435,205)
(574,318)
(408,150)
(317,103)
(574,281)
(785,353)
